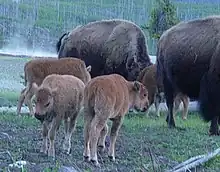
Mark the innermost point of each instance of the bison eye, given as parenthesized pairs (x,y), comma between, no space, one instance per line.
(145,95)
(46,105)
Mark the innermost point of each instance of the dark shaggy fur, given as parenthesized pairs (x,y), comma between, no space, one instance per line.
(63,37)
(109,46)
(188,59)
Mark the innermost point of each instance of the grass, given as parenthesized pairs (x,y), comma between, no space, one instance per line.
(137,136)
(8,98)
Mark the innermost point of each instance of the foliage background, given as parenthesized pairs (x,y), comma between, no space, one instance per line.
(37,24)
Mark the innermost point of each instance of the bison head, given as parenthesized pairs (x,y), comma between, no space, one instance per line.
(44,100)
(139,96)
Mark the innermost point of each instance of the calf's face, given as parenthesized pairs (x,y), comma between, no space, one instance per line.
(44,100)
(140,96)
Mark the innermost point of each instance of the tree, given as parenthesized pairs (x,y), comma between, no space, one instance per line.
(163,16)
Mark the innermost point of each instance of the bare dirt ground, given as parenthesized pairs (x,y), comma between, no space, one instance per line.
(25,140)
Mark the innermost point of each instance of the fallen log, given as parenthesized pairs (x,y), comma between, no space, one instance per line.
(194,162)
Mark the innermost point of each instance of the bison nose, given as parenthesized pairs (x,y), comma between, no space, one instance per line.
(39,117)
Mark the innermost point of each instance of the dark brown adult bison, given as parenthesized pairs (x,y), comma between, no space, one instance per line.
(109,46)
(188,58)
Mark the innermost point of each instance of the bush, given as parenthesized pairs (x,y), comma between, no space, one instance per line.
(163,16)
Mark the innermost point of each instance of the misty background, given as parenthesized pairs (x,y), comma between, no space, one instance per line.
(32,27)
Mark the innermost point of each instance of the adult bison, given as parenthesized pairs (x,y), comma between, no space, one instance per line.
(188,58)
(109,46)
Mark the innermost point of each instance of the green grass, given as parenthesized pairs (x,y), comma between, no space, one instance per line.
(190,140)
(8,98)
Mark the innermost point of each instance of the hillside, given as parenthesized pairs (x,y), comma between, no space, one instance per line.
(37,24)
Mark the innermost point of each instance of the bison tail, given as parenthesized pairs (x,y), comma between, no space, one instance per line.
(58,44)
(209,97)
(159,72)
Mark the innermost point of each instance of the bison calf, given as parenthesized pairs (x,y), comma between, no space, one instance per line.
(36,70)
(58,98)
(155,88)
(108,97)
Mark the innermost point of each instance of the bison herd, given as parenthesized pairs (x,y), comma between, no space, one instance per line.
(103,68)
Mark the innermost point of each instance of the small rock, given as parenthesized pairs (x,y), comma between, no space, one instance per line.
(67,169)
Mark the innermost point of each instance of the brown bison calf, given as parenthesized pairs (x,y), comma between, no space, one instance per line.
(108,97)
(36,70)
(155,88)
(58,98)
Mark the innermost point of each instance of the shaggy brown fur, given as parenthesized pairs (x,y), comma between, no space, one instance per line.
(188,59)
(36,70)
(108,97)
(109,46)
(148,78)
(58,98)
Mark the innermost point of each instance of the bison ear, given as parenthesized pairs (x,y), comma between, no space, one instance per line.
(54,91)
(136,86)
(89,68)
(34,87)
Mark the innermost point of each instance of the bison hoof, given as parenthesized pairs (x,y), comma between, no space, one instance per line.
(86,158)
(95,163)
(67,148)
(172,125)
(68,151)
(101,148)
(43,149)
(51,153)
(111,158)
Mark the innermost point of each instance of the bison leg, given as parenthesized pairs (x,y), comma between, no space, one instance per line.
(97,126)
(116,125)
(71,127)
(52,135)
(28,102)
(66,129)
(169,101)
(157,104)
(177,102)
(45,134)
(20,101)
(103,134)
(185,107)
(214,126)
(88,116)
